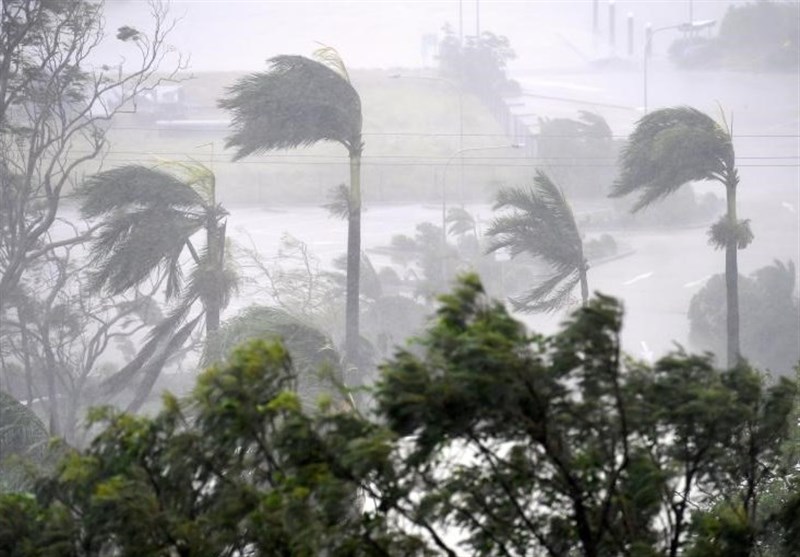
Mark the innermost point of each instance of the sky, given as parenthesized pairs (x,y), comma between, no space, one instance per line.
(242,34)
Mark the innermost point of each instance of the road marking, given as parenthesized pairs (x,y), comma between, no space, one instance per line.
(698,282)
(637,278)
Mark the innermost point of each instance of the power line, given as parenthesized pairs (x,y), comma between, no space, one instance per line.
(431,134)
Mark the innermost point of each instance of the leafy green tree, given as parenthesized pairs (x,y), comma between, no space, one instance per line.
(299,102)
(770,312)
(671,147)
(486,440)
(540,223)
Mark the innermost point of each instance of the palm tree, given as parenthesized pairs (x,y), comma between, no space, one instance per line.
(148,219)
(542,225)
(672,147)
(297,103)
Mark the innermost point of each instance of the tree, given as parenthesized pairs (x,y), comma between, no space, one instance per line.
(58,337)
(299,102)
(670,148)
(55,106)
(574,153)
(771,317)
(541,224)
(147,220)
(485,440)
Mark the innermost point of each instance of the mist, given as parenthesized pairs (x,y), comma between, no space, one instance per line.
(567,83)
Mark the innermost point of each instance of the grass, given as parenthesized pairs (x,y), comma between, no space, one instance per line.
(411,129)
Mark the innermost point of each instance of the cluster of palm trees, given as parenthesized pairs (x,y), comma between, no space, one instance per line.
(151,214)
(668,149)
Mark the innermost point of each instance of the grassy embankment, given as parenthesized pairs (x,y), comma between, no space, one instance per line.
(410,127)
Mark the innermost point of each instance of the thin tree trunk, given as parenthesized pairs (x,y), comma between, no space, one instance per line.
(212,301)
(732,278)
(353,260)
(584,283)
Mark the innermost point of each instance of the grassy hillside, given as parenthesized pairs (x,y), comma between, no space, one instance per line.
(411,129)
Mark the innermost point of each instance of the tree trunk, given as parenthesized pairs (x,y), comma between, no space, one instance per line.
(732,277)
(212,301)
(353,260)
(584,283)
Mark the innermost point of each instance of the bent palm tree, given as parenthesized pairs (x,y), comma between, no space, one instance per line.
(299,102)
(542,225)
(148,218)
(671,147)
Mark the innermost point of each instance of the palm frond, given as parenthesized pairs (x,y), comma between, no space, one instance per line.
(330,57)
(21,430)
(131,187)
(551,295)
(669,148)
(540,223)
(460,220)
(722,233)
(130,246)
(339,204)
(154,366)
(298,102)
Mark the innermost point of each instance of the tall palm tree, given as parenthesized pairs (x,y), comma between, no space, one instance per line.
(299,102)
(541,224)
(148,220)
(672,147)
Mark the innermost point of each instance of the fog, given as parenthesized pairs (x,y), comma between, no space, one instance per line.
(429,143)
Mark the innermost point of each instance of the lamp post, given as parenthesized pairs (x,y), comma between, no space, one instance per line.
(444,189)
(648,43)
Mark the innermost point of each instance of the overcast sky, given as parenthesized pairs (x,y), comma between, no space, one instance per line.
(242,34)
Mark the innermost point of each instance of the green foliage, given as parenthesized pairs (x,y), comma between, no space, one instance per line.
(539,222)
(770,317)
(486,440)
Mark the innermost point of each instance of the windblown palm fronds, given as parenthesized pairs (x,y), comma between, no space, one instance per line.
(149,217)
(669,148)
(540,223)
(297,103)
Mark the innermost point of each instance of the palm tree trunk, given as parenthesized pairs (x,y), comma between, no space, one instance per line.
(353,260)
(732,276)
(212,299)
(584,283)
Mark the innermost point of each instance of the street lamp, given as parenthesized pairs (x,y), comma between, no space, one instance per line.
(444,189)
(648,44)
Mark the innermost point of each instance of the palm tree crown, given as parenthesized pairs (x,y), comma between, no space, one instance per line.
(297,103)
(541,224)
(669,148)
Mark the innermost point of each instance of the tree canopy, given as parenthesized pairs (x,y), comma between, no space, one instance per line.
(486,439)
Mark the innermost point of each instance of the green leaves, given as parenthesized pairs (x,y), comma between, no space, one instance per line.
(669,148)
